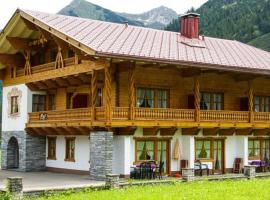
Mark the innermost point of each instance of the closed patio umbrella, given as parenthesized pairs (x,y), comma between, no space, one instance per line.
(176,151)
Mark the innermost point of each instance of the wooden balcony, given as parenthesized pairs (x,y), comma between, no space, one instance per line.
(45,67)
(167,117)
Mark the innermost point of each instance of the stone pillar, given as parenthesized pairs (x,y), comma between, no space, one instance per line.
(15,188)
(31,151)
(112,181)
(101,154)
(188,174)
(250,171)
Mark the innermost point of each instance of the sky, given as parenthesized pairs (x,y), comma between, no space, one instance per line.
(8,7)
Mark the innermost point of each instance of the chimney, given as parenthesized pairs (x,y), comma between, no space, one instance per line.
(189,25)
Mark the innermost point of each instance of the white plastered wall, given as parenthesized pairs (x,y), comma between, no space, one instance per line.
(25,106)
(82,152)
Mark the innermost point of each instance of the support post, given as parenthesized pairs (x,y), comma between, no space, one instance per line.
(131,78)
(15,188)
(59,62)
(108,92)
(27,66)
(197,98)
(250,101)
(94,93)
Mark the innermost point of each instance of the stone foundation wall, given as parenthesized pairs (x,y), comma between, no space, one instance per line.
(101,154)
(32,151)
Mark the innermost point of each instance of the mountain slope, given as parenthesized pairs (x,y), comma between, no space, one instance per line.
(156,18)
(262,42)
(85,9)
(243,20)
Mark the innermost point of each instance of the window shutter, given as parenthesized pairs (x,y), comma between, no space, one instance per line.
(244,104)
(191,100)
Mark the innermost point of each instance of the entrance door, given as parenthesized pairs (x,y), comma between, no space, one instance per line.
(218,156)
(13,154)
(80,101)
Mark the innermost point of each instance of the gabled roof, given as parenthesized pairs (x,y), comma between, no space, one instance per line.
(120,40)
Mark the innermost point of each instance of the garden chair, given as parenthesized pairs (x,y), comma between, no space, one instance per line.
(159,170)
(238,165)
(199,167)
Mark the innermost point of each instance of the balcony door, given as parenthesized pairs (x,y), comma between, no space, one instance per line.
(80,101)
(158,150)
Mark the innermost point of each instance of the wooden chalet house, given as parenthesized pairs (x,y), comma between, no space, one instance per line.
(94,97)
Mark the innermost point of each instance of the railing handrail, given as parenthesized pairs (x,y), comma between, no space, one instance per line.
(59,111)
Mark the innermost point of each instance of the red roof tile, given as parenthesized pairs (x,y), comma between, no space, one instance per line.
(119,40)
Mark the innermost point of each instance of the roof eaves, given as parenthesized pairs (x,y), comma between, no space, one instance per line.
(254,71)
(79,45)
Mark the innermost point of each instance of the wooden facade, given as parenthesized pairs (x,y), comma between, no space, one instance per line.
(108,89)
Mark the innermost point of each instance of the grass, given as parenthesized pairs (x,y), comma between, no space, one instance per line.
(215,190)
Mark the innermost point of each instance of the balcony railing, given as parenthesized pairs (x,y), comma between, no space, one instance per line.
(261,116)
(64,116)
(157,114)
(163,114)
(45,67)
(224,116)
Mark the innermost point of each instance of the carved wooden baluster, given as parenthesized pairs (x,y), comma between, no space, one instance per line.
(250,101)
(94,93)
(131,77)
(27,66)
(107,91)
(197,98)
(59,62)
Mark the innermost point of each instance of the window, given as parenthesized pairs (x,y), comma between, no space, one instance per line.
(38,103)
(51,148)
(152,98)
(70,149)
(14,105)
(258,149)
(99,97)
(203,149)
(261,104)
(157,150)
(212,101)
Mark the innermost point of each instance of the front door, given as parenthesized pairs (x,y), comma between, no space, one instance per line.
(218,156)
(157,150)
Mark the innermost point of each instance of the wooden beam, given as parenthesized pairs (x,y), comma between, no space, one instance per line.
(226,132)
(60,43)
(190,72)
(197,98)
(261,132)
(61,82)
(31,26)
(247,131)
(12,59)
(131,90)
(32,86)
(86,79)
(210,131)
(108,92)
(168,131)
(126,130)
(73,80)
(21,43)
(190,131)
(150,131)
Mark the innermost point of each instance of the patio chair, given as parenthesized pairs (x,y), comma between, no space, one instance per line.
(199,167)
(159,170)
(238,165)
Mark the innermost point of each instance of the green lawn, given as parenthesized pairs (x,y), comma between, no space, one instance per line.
(227,190)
